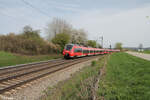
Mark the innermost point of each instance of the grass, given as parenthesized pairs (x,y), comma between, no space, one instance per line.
(7,59)
(78,87)
(127,78)
(146,51)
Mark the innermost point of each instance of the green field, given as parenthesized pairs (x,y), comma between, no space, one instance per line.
(7,59)
(127,78)
(146,51)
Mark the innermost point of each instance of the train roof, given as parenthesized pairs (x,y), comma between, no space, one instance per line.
(85,47)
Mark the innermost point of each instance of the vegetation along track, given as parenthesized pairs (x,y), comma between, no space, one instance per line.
(13,77)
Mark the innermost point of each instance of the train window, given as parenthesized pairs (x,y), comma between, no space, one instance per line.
(85,51)
(69,47)
(91,51)
(78,50)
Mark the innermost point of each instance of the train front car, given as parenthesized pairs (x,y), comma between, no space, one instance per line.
(68,51)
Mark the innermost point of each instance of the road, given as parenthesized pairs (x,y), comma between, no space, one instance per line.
(141,55)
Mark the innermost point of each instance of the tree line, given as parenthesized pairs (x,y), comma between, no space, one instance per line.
(28,42)
(59,33)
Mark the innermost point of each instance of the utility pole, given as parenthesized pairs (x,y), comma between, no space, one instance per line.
(110,46)
(101,40)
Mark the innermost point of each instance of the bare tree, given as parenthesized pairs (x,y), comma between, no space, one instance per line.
(118,45)
(27,28)
(57,26)
(79,37)
(140,46)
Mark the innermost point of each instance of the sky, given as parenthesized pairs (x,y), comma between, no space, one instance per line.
(125,21)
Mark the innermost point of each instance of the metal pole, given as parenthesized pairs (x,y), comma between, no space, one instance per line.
(110,46)
(102,41)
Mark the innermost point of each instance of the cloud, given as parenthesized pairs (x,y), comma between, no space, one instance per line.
(130,27)
(65,6)
(14,19)
(117,21)
(58,3)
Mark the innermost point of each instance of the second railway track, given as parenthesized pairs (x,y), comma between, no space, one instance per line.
(17,76)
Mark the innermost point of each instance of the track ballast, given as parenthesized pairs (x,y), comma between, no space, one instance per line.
(20,75)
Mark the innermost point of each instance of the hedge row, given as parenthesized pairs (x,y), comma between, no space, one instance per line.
(24,44)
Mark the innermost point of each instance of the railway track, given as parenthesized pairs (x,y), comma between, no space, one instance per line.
(13,77)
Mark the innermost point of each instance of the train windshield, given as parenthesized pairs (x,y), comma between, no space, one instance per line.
(69,47)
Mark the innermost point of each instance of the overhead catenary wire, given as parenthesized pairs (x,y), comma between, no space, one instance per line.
(26,3)
(2,13)
(10,16)
(37,9)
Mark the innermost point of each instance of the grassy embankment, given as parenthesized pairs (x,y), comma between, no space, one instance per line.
(7,59)
(79,86)
(127,78)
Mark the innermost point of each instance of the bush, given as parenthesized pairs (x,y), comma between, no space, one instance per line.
(93,63)
(61,39)
(27,44)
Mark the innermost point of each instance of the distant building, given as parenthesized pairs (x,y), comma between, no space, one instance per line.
(147,48)
(137,49)
(140,50)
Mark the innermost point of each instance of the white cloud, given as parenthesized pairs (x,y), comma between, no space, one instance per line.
(61,5)
(129,27)
(14,19)
(64,4)
(116,25)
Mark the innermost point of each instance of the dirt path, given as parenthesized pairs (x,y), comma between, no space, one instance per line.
(98,78)
(141,55)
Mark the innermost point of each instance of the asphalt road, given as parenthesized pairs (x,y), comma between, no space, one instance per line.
(141,55)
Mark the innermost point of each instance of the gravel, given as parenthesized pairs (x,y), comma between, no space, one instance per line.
(141,55)
(35,89)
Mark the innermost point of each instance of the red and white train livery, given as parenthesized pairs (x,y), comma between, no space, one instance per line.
(74,50)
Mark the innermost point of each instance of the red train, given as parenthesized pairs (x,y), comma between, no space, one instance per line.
(74,50)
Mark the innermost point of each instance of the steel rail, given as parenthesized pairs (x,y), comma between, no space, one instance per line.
(32,71)
(34,63)
(28,66)
(38,75)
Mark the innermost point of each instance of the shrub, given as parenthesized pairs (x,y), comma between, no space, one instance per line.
(93,63)
(30,45)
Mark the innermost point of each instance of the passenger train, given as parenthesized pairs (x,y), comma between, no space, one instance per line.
(74,50)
